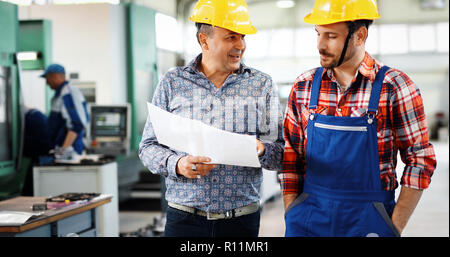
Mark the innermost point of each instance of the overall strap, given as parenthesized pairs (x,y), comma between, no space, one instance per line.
(315,88)
(376,90)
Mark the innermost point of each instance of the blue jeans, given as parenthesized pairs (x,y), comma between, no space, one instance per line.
(184,224)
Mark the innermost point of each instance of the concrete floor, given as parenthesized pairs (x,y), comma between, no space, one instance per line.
(430,219)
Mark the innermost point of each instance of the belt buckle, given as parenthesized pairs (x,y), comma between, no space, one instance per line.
(228,215)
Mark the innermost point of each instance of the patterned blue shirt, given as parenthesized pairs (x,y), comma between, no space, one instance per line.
(246,103)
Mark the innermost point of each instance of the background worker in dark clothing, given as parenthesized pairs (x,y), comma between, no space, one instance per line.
(36,143)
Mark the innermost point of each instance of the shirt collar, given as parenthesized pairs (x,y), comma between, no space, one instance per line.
(368,68)
(193,66)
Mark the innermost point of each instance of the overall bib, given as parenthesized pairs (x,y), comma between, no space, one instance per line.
(342,193)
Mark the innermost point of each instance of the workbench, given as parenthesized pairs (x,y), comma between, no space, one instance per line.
(52,180)
(78,219)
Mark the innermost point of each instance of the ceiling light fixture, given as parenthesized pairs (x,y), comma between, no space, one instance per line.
(28,56)
(285,4)
(433,4)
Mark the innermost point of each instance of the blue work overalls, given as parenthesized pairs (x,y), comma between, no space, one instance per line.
(342,193)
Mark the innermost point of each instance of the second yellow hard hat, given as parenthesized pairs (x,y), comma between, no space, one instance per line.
(229,14)
(333,11)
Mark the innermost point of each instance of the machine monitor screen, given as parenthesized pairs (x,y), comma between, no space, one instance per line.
(109,121)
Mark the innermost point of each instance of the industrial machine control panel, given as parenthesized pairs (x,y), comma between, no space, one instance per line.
(109,130)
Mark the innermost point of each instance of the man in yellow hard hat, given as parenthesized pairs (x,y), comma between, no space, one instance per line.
(208,200)
(344,125)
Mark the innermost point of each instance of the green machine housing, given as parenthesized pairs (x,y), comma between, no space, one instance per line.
(10,125)
(23,36)
(142,79)
(36,36)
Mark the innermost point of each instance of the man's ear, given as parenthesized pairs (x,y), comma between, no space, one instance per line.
(361,35)
(203,39)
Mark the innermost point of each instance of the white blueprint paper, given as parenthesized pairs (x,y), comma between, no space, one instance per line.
(199,139)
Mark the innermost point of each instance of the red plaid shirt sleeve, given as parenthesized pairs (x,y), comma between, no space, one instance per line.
(411,132)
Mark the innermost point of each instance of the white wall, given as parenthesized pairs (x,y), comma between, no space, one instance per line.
(90,40)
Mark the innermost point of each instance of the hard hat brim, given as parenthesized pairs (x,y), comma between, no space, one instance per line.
(242,29)
(310,19)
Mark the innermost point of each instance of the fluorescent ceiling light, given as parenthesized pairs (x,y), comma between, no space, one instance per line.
(19,2)
(433,4)
(85,1)
(27,56)
(285,4)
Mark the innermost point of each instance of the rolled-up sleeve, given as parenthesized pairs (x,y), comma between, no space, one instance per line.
(158,158)
(411,134)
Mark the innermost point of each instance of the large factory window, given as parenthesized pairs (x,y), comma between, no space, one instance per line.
(373,40)
(257,44)
(422,38)
(394,39)
(442,35)
(281,43)
(306,42)
(168,33)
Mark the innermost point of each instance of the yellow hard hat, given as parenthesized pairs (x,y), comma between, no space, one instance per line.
(333,11)
(228,14)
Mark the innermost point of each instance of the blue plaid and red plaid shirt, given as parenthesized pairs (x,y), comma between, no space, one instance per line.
(401,124)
